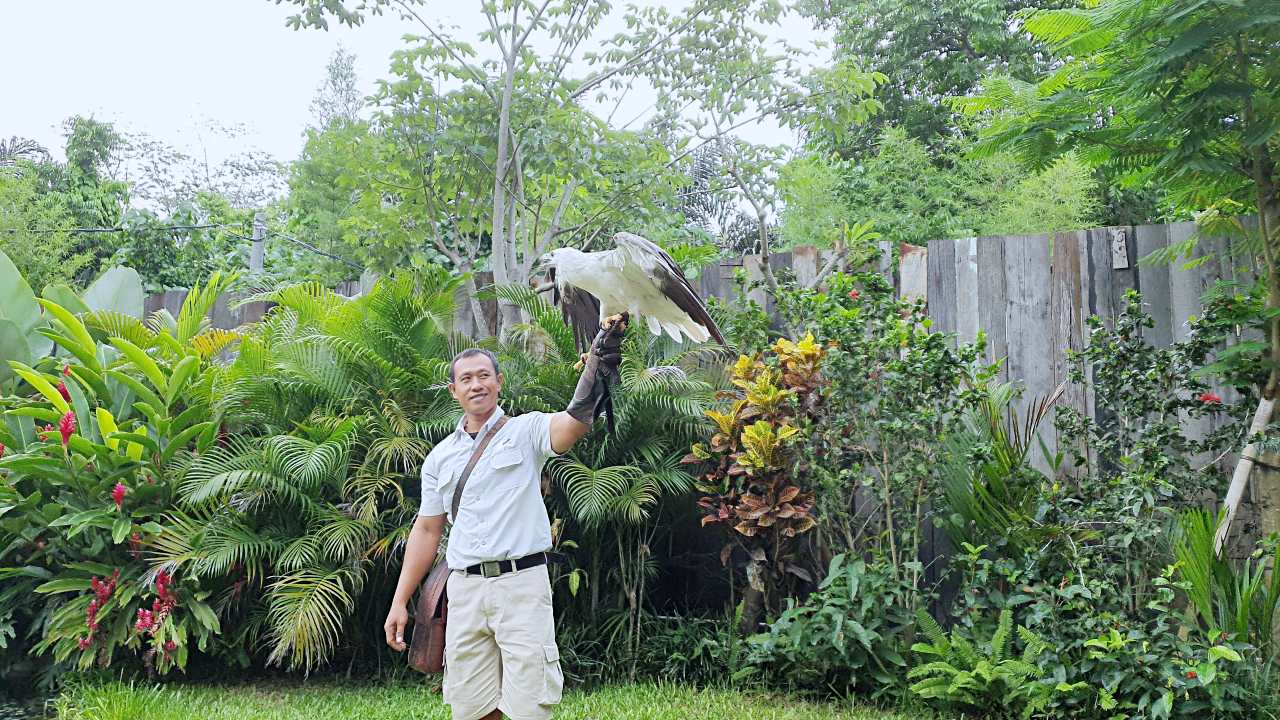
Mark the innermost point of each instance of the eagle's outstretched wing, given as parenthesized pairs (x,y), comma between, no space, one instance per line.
(581,311)
(670,279)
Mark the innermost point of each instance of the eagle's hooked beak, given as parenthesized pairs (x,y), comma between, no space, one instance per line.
(550,269)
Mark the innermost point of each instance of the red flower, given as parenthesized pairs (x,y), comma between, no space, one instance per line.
(144,620)
(67,427)
(853,294)
(66,371)
(170,646)
(1191,675)
(1,450)
(117,495)
(62,390)
(1209,398)
(84,642)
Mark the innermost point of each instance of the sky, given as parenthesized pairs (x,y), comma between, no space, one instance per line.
(169,68)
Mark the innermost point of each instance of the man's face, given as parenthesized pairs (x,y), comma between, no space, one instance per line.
(475,385)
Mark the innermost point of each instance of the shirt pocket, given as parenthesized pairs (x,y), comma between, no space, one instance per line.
(505,464)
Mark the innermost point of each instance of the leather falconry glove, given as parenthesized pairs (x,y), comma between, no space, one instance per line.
(592,393)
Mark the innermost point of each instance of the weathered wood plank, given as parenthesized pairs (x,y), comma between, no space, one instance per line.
(1154,284)
(804,263)
(942,285)
(1099,277)
(1040,349)
(1186,286)
(913,271)
(751,263)
(1122,280)
(1015,279)
(1069,249)
(967,321)
(992,301)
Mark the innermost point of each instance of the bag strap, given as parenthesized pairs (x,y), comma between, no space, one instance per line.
(471,464)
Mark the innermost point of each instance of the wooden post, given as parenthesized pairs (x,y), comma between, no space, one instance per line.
(259,239)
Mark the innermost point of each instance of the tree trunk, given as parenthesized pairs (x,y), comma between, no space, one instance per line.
(752,609)
(1269,484)
(501,236)
(479,321)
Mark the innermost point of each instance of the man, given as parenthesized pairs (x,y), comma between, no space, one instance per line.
(501,654)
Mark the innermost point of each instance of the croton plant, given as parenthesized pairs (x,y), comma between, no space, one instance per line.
(751,486)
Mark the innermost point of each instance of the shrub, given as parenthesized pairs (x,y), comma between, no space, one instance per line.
(845,637)
(985,677)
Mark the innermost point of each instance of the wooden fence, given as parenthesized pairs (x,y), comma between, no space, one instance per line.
(1030,294)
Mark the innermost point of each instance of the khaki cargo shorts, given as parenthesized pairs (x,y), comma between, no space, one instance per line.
(500,646)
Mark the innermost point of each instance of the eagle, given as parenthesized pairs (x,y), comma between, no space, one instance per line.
(636,280)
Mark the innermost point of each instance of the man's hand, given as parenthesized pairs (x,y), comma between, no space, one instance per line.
(570,425)
(394,627)
(602,362)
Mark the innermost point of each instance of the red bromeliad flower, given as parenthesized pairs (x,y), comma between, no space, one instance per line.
(67,427)
(62,390)
(170,646)
(1191,675)
(145,620)
(1,450)
(66,371)
(853,294)
(117,495)
(84,642)
(1209,398)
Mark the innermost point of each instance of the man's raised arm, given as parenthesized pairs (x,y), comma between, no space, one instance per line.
(571,424)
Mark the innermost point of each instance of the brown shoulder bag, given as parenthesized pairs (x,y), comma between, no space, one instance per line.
(426,648)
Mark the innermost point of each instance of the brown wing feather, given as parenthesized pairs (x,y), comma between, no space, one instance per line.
(672,282)
(581,311)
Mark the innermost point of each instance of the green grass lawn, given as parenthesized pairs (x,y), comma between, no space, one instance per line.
(405,701)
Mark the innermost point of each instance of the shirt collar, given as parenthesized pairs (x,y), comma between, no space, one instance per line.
(462,424)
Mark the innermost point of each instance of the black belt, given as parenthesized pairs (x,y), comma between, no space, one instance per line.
(494,568)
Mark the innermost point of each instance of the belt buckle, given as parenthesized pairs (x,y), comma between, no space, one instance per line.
(491,568)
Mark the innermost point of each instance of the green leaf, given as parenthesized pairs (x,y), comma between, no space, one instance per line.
(64,585)
(13,346)
(1222,652)
(142,391)
(120,529)
(1162,707)
(18,305)
(143,362)
(185,368)
(78,335)
(44,387)
(118,289)
(205,615)
(180,441)
(66,297)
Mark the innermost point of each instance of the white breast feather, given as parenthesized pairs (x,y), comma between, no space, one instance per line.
(624,280)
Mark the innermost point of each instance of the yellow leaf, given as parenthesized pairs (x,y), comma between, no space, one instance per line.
(107,426)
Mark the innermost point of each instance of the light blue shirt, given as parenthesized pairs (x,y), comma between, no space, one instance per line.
(501,515)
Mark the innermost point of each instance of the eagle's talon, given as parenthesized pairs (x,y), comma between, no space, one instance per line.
(582,362)
(619,320)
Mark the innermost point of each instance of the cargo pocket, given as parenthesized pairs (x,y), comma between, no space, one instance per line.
(552,676)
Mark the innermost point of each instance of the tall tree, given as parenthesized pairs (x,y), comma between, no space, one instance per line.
(929,51)
(555,173)
(1187,90)
(338,98)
